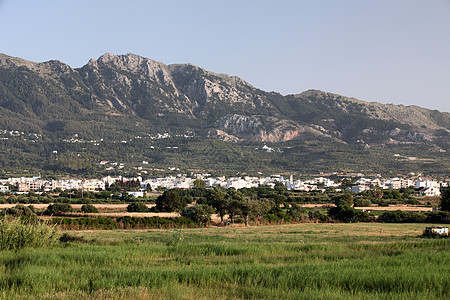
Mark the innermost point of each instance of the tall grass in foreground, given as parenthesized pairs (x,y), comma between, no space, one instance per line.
(17,233)
(402,270)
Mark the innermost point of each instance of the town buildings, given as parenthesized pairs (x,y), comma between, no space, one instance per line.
(426,187)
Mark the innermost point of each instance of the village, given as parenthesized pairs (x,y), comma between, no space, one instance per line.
(24,185)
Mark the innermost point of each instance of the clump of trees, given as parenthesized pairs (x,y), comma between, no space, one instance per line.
(344,212)
(200,214)
(19,211)
(445,199)
(137,207)
(89,208)
(170,201)
(58,208)
(415,217)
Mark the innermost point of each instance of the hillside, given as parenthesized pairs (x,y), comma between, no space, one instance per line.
(77,117)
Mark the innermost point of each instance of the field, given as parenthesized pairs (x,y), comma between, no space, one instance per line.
(302,261)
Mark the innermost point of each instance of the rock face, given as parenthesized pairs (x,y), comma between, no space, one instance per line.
(131,89)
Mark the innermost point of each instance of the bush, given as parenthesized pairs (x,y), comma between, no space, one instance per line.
(85,223)
(57,208)
(445,200)
(348,214)
(170,202)
(200,213)
(89,209)
(361,202)
(137,207)
(415,217)
(317,215)
(121,222)
(344,200)
(16,234)
(19,211)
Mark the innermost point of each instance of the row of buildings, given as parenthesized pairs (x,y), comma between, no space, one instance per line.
(37,184)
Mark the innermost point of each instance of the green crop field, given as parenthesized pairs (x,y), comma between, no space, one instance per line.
(303,261)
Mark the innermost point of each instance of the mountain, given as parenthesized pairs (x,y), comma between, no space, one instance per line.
(118,98)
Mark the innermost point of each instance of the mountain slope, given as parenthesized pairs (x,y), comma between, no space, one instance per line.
(121,96)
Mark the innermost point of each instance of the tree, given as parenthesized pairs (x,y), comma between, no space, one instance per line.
(361,202)
(137,207)
(256,208)
(377,193)
(199,183)
(280,188)
(19,211)
(348,214)
(200,213)
(219,200)
(234,203)
(89,209)
(345,200)
(344,214)
(445,200)
(58,208)
(246,208)
(170,202)
(347,182)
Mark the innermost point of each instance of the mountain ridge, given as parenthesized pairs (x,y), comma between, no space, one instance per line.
(122,95)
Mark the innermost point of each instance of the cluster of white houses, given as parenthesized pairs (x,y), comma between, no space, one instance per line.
(26,184)
(425,187)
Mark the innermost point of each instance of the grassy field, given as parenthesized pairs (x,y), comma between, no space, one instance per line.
(303,261)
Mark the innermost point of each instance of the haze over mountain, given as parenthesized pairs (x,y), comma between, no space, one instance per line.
(123,96)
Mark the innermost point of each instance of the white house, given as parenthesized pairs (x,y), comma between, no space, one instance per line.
(430,191)
(136,194)
(360,188)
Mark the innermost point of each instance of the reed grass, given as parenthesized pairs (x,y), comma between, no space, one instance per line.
(18,233)
(217,267)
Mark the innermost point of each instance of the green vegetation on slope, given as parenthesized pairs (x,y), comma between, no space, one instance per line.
(113,100)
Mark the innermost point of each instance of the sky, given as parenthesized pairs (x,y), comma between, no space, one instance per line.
(385,51)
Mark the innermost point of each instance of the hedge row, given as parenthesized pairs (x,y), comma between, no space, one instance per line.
(415,217)
(121,223)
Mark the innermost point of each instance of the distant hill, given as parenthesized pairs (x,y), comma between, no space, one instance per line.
(119,98)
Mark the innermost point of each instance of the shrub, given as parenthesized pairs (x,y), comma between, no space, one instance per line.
(200,213)
(16,233)
(361,202)
(344,200)
(137,207)
(85,223)
(348,214)
(317,215)
(169,202)
(415,217)
(89,208)
(57,208)
(19,211)
(445,200)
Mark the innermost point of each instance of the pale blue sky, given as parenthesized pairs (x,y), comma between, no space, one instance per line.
(389,51)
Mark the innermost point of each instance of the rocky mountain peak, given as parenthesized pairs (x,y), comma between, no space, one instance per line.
(14,62)
(132,85)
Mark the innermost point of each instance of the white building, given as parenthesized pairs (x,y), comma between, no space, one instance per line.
(136,194)
(430,191)
(360,188)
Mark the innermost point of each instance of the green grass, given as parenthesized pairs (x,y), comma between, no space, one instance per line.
(304,261)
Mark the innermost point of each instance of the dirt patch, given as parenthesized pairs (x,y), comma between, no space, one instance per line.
(397,207)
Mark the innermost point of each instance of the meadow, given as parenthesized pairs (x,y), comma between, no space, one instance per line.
(301,261)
